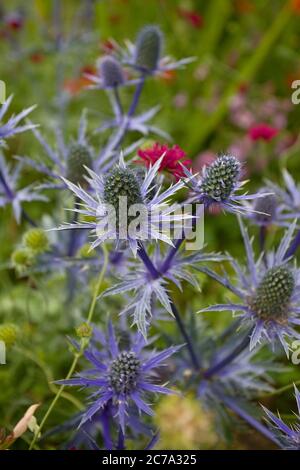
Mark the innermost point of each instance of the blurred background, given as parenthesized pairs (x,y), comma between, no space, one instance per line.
(235,97)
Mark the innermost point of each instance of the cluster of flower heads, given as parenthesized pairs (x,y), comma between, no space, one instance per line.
(122,377)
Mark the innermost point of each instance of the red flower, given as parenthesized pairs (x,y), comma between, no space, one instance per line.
(192,17)
(263,132)
(171,162)
(37,57)
(14,22)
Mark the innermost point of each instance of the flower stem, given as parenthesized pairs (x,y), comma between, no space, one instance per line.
(118,137)
(181,327)
(232,404)
(213,370)
(293,247)
(155,274)
(147,261)
(79,353)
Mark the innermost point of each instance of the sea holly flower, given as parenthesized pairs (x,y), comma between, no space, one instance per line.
(288,436)
(123,185)
(9,191)
(145,55)
(12,127)
(121,377)
(288,197)
(219,184)
(110,75)
(67,160)
(268,210)
(172,161)
(268,290)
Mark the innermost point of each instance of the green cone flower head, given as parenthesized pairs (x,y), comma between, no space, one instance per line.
(220,178)
(111,72)
(273,294)
(79,156)
(125,183)
(148,48)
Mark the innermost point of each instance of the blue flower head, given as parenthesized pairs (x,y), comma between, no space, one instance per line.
(268,289)
(219,185)
(288,437)
(125,184)
(121,377)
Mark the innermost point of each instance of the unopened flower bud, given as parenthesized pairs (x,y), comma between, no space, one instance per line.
(36,240)
(79,156)
(84,330)
(111,72)
(148,48)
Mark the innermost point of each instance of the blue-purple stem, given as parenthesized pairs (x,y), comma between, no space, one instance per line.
(155,274)
(232,404)
(119,136)
(121,441)
(105,421)
(293,247)
(213,370)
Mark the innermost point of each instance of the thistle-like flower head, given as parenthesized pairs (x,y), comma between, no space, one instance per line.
(268,290)
(121,377)
(79,156)
(148,48)
(219,184)
(66,160)
(287,436)
(220,179)
(145,54)
(273,294)
(115,195)
(111,72)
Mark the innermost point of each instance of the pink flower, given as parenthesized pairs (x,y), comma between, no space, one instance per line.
(173,158)
(262,131)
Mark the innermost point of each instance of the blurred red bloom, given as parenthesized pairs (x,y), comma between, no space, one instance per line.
(263,132)
(295,5)
(14,22)
(192,17)
(173,158)
(108,46)
(37,57)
